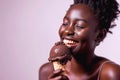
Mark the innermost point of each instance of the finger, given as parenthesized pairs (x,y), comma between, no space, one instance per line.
(57,78)
(56,73)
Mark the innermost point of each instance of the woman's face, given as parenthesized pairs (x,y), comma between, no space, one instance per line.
(78,30)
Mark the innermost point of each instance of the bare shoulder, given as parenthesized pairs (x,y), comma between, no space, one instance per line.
(45,70)
(110,71)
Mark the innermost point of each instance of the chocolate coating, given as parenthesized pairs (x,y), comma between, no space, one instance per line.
(60,52)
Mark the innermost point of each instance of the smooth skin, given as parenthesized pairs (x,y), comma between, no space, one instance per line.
(81,26)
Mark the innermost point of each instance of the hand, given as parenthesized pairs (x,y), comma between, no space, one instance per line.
(57,75)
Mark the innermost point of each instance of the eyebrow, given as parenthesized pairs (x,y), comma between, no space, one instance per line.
(77,19)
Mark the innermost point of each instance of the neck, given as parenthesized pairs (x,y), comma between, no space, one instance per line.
(81,63)
(85,60)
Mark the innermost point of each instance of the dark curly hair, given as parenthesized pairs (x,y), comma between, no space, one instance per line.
(105,10)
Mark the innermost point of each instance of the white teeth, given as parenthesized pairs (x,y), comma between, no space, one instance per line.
(69,43)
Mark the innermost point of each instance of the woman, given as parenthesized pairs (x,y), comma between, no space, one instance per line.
(85,25)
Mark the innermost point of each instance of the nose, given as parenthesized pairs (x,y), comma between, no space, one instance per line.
(69,31)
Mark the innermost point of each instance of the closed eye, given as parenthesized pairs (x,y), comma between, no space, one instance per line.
(79,26)
(65,24)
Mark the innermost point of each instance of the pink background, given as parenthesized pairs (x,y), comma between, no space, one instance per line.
(28,29)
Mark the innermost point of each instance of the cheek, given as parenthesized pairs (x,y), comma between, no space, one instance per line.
(61,30)
(87,40)
(83,34)
(85,37)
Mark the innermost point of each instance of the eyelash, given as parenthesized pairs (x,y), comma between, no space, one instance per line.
(81,27)
(65,24)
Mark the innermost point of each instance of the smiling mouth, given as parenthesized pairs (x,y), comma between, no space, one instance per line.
(70,43)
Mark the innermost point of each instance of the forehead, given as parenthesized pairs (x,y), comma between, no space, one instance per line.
(80,11)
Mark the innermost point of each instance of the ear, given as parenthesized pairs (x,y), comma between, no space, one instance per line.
(100,36)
